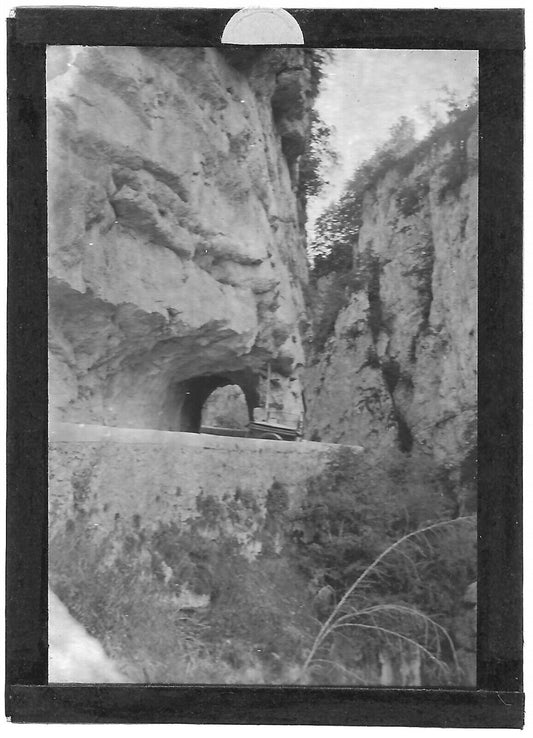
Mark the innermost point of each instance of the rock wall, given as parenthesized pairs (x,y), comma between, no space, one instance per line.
(400,370)
(176,249)
(170,475)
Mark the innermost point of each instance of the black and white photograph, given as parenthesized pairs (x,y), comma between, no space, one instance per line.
(262,365)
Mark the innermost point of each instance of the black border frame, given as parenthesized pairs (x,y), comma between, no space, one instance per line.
(498,700)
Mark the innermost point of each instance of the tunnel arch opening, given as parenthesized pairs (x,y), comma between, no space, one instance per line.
(192,394)
(226,407)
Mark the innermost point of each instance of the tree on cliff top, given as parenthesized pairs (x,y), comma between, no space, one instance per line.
(337,229)
(316,60)
(318,158)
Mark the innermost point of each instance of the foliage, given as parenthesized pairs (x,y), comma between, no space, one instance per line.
(254,620)
(454,171)
(316,60)
(341,284)
(337,296)
(247,621)
(350,509)
(335,248)
(412,194)
(396,621)
(319,155)
(354,511)
(266,605)
(242,57)
(337,229)
(317,158)
(334,301)
(277,500)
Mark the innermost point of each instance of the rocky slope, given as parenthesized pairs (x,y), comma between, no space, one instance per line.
(400,368)
(176,250)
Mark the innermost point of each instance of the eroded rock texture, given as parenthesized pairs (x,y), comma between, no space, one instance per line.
(400,370)
(176,250)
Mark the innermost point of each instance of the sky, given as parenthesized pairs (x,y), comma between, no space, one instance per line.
(365,91)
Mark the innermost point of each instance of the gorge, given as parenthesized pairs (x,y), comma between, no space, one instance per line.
(178,266)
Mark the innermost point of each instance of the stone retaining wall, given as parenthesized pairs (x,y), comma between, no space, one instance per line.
(148,476)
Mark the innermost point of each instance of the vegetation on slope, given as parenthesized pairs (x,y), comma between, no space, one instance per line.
(189,603)
(356,510)
(337,230)
(184,604)
(334,249)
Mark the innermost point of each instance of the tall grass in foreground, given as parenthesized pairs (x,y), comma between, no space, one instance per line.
(394,624)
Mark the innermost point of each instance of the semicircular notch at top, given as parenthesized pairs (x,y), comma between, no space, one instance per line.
(262,26)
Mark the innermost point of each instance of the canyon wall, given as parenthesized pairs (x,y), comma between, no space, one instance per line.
(399,371)
(176,244)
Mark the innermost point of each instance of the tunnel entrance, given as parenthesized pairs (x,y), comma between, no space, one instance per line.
(226,407)
(192,395)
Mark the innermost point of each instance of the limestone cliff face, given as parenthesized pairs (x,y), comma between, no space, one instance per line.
(401,367)
(176,250)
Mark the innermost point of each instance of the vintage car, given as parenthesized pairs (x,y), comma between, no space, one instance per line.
(278,428)
(276,425)
(268,422)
